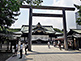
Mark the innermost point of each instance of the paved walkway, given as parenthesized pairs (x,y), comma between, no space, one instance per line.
(43,53)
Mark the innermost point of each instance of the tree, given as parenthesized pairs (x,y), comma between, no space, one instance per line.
(9,9)
(78,21)
(58,30)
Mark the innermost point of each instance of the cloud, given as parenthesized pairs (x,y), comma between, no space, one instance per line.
(66,2)
(77,2)
(58,3)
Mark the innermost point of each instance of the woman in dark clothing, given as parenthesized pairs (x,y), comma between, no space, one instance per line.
(26,47)
(60,45)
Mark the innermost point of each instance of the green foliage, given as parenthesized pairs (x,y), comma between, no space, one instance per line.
(13,30)
(3,30)
(57,30)
(34,2)
(37,2)
(9,9)
(8,30)
(78,21)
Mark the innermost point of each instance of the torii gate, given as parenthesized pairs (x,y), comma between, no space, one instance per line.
(47,15)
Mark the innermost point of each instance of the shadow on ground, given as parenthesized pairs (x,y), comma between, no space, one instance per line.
(35,53)
(28,59)
(4,56)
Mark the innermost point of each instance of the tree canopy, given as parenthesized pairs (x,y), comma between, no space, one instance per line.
(57,30)
(9,9)
(78,21)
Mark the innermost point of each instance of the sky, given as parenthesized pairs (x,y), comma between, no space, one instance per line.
(23,18)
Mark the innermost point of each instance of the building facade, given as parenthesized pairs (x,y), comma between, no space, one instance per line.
(74,35)
(39,33)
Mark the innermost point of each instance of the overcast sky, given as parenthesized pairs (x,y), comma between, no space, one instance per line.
(55,22)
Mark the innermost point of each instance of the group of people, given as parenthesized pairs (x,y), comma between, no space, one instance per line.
(20,49)
(54,44)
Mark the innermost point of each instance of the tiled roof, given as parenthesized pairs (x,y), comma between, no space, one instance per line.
(77,30)
(49,29)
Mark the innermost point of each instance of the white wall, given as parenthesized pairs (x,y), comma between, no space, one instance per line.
(42,37)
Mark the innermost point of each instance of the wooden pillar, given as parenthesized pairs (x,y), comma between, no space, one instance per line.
(0,44)
(77,47)
(30,29)
(73,42)
(80,43)
(7,44)
(11,47)
(24,39)
(65,30)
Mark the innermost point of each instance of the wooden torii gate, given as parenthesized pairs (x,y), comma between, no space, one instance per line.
(48,15)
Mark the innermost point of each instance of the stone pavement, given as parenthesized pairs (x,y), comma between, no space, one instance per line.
(43,53)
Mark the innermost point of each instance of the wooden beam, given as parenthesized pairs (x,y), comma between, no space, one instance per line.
(49,7)
(47,15)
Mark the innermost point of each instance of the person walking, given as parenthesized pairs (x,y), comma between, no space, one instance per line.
(16,49)
(54,44)
(60,45)
(48,44)
(26,47)
(21,50)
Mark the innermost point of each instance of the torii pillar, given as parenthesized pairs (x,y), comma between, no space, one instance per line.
(65,30)
(30,29)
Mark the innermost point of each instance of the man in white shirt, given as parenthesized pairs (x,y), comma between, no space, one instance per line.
(48,44)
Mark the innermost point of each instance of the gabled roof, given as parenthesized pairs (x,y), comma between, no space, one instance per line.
(47,29)
(72,31)
(59,34)
(75,33)
(77,30)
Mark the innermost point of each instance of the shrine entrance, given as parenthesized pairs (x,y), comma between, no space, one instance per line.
(63,15)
